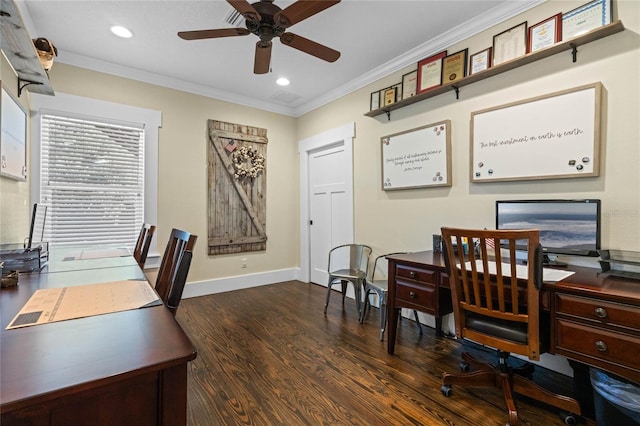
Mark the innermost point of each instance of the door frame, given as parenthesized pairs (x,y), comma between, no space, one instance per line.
(344,135)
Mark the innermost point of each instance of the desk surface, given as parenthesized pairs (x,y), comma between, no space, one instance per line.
(49,361)
(64,259)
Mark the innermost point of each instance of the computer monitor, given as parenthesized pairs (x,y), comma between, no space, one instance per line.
(569,227)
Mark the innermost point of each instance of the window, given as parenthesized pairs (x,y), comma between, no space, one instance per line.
(107,126)
(92,179)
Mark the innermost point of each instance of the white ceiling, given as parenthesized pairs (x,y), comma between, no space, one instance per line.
(375,37)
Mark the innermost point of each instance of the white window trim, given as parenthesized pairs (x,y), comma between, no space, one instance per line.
(87,107)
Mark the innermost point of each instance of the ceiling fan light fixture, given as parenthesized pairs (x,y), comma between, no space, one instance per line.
(283,81)
(121,31)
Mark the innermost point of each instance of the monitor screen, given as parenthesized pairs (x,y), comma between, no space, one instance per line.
(566,226)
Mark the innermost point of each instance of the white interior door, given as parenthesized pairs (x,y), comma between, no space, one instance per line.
(326,199)
(329,207)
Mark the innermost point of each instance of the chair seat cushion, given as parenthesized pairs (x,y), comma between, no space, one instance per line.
(509,330)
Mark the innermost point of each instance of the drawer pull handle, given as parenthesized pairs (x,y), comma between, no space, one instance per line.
(412,295)
(412,274)
(601,346)
(601,312)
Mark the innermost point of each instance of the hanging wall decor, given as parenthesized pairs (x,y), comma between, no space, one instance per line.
(237,188)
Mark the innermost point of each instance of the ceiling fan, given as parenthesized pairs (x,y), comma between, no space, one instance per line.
(266,20)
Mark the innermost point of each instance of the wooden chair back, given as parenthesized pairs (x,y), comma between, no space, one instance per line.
(143,243)
(493,308)
(175,294)
(179,243)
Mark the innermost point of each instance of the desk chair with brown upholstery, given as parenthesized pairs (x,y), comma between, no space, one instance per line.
(348,263)
(143,243)
(380,287)
(489,310)
(172,274)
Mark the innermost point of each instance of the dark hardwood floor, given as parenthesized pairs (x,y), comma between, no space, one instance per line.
(269,356)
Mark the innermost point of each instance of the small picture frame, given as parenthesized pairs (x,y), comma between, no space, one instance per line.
(480,61)
(409,84)
(375,101)
(545,33)
(430,72)
(389,95)
(454,66)
(510,44)
(585,18)
(13,138)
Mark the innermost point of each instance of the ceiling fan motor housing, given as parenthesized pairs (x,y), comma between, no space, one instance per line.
(266,29)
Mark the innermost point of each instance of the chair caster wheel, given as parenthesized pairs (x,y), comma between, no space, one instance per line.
(464,366)
(446,390)
(568,418)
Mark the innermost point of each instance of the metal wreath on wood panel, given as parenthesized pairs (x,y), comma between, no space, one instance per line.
(237,188)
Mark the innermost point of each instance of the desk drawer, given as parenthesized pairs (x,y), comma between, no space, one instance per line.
(420,297)
(598,310)
(617,349)
(403,271)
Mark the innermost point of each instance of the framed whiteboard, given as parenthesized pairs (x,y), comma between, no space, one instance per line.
(417,158)
(547,137)
(13,138)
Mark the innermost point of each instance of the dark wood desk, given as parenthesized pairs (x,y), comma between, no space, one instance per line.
(595,320)
(122,368)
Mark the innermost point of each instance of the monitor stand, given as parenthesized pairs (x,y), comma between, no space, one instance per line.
(546,261)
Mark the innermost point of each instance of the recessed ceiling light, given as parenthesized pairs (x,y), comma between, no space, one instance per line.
(121,31)
(282,81)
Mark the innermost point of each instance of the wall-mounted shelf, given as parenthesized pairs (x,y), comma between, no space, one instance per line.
(20,52)
(571,45)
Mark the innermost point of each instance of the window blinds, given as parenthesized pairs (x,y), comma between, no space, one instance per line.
(92,179)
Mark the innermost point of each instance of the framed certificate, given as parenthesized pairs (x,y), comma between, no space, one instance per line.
(454,66)
(409,84)
(585,18)
(545,33)
(510,44)
(430,72)
(389,95)
(480,61)
(375,101)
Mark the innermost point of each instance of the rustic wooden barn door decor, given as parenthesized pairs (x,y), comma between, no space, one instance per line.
(237,188)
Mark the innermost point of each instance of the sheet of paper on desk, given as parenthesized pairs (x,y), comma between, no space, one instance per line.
(83,254)
(60,304)
(548,274)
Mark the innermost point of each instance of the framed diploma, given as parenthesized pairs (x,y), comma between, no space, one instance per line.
(454,66)
(545,33)
(375,101)
(480,61)
(389,95)
(430,72)
(510,44)
(585,18)
(409,84)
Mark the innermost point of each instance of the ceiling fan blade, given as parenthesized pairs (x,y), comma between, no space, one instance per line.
(263,57)
(223,32)
(245,9)
(309,46)
(302,9)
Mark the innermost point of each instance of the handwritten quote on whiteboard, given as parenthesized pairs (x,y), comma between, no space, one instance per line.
(553,136)
(417,158)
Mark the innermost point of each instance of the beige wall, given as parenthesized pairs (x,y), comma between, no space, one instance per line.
(405,220)
(182,173)
(14,195)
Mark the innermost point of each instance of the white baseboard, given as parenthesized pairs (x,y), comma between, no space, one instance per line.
(221,285)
